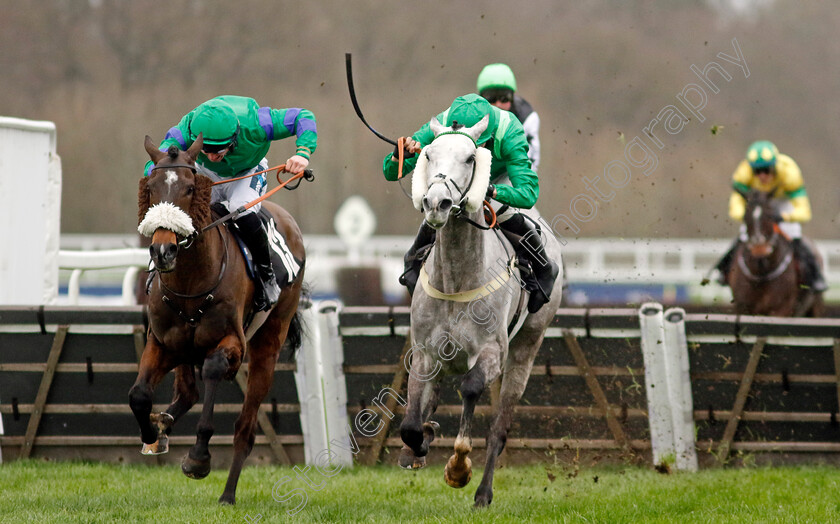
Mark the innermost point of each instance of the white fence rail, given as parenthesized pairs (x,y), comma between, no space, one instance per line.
(588,261)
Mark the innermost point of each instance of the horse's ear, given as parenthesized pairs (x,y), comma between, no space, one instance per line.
(154,153)
(196,146)
(437,127)
(480,126)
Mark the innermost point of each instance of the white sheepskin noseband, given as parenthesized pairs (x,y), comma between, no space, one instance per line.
(419,181)
(167,216)
(474,197)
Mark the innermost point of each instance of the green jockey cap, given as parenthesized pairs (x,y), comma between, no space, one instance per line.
(467,110)
(217,121)
(762,154)
(496,76)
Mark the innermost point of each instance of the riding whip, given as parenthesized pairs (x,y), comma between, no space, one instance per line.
(348,61)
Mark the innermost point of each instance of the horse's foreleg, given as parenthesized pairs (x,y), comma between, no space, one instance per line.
(416,431)
(154,365)
(196,464)
(517,370)
(458,471)
(185,396)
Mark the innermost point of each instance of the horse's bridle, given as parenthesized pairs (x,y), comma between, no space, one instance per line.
(187,166)
(773,242)
(446,180)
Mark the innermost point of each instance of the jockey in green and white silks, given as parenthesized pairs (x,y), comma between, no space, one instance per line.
(513,184)
(237,134)
(497,84)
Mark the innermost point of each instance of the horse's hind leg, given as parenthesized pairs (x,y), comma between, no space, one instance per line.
(458,471)
(186,392)
(196,464)
(154,365)
(260,376)
(517,370)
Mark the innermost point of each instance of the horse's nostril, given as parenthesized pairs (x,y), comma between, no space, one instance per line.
(445,204)
(425,203)
(171,250)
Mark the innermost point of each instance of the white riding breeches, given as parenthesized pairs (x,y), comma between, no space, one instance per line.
(510,211)
(233,195)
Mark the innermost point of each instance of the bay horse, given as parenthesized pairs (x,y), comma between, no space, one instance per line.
(198,305)
(765,277)
(471,294)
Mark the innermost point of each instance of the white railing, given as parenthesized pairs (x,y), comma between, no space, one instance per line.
(588,261)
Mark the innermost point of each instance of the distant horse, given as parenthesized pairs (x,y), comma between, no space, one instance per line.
(765,278)
(198,304)
(470,296)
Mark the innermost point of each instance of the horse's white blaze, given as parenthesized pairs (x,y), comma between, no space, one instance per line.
(756,214)
(171,178)
(167,216)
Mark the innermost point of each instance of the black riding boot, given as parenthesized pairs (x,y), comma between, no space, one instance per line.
(812,272)
(725,262)
(530,249)
(266,291)
(415,256)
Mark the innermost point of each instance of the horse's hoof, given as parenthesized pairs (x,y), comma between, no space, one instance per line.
(160,422)
(429,429)
(408,460)
(159,447)
(482,501)
(195,469)
(227,500)
(458,477)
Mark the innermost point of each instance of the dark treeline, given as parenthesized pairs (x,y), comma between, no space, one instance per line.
(108,72)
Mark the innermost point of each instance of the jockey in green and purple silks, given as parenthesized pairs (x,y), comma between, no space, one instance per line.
(237,134)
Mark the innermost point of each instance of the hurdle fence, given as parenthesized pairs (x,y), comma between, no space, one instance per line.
(664,387)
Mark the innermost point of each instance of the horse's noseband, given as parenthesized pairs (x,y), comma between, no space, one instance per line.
(187,166)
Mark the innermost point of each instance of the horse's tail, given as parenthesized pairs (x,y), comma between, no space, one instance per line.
(294,338)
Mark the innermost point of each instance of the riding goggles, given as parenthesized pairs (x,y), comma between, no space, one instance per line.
(497,95)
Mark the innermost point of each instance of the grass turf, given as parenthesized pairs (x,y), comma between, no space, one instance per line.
(37,491)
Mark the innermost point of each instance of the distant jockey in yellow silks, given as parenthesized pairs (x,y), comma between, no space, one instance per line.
(768,170)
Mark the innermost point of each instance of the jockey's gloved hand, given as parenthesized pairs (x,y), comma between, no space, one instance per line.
(407,151)
(491,192)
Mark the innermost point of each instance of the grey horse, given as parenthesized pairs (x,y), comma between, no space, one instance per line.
(471,296)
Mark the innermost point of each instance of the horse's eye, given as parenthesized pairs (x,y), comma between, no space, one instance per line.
(471,159)
(190,190)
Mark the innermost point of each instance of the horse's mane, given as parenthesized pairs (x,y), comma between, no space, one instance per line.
(199,210)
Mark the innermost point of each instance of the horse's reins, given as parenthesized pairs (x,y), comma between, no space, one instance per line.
(306,174)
